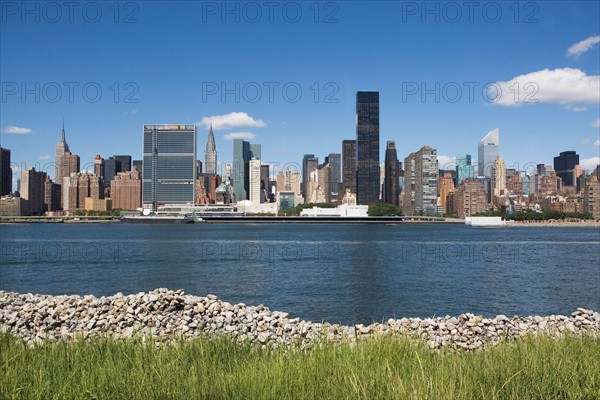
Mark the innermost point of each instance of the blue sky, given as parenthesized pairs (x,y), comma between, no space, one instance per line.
(167,62)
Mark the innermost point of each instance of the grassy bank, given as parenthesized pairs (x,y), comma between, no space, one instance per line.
(387,368)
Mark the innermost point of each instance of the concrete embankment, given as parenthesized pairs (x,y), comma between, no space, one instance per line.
(166,315)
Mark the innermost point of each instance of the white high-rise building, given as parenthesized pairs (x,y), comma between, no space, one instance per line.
(487,151)
(254,180)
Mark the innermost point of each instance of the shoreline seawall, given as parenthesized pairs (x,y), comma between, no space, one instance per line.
(167,315)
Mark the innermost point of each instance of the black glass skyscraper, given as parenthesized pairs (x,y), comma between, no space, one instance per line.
(392,173)
(349,165)
(5,172)
(367,147)
(564,165)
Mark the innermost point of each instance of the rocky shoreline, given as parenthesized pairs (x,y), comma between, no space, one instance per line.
(166,315)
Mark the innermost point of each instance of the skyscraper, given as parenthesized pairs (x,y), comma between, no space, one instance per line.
(309,164)
(349,165)
(110,167)
(5,172)
(446,186)
(137,164)
(210,154)
(498,177)
(243,152)
(125,162)
(367,147)
(65,163)
(487,151)
(335,169)
(51,195)
(420,182)
(32,189)
(169,164)
(391,175)
(464,169)
(254,181)
(564,165)
(265,190)
(61,148)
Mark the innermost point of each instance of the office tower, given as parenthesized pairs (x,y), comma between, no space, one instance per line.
(280,182)
(470,198)
(138,165)
(265,191)
(309,163)
(77,187)
(550,183)
(61,148)
(487,151)
(169,165)
(199,167)
(111,167)
(596,172)
(446,186)
(322,189)
(32,189)
(243,152)
(524,178)
(498,177)
(5,172)
(210,154)
(334,160)
(292,182)
(126,190)
(125,162)
(564,165)
(65,162)
(391,174)
(98,165)
(254,181)
(591,196)
(420,182)
(51,195)
(349,165)
(367,147)
(70,163)
(464,169)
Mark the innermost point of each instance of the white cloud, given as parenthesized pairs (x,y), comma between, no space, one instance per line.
(231,120)
(573,108)
(596,123)
(44,157)
(446,162)
(562,86)
(239,135)
(15,130)
(587,141)
(589,164)
(579,48)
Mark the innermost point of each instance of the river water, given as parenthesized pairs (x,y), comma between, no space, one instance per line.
(341,273)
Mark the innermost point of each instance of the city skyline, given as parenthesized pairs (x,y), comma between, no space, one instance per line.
(412,116)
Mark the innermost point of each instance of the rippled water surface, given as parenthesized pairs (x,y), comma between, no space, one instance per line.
(339,273)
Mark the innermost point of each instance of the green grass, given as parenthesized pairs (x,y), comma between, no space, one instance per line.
(384,368)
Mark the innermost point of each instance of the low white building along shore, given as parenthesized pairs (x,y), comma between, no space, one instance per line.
(344,210)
